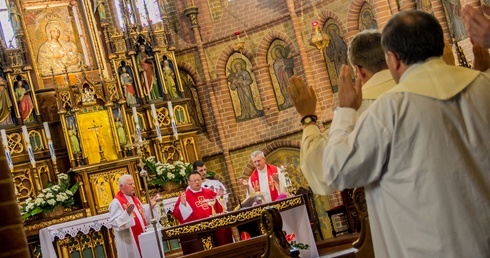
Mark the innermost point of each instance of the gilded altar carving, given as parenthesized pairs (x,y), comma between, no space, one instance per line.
(229,219)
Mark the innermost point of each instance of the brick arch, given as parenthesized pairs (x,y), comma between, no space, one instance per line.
(191,71)
(226,53)
(267,40)
(381,9)
(271,147)
(326,14)
(408,5)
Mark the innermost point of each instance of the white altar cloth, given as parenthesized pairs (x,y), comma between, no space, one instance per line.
(148,244)
(49,234)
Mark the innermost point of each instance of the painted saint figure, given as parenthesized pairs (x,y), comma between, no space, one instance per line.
(24,101)
(75,144)
(240,81)
(58,54)
(336,50)
(453,8)
(169,79)
(5,104)
(14,16)
(283,68)
(100,7)
(128,87)
(121,134)
(145,63)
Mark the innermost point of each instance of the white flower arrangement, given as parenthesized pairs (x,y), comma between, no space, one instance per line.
(162,173)
(51,197)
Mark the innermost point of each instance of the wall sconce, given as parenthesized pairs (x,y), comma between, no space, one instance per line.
(239,44)
(318,39)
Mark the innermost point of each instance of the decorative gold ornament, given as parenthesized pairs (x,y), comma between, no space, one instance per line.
(318,38)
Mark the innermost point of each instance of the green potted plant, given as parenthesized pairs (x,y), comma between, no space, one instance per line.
(168,176)
(51,200)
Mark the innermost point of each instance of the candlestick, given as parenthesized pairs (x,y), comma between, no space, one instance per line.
(50,142)
(135,115)
(137,124)
(170,109)
(155,121)
(7,150)
(172,120)
(29,147)
(46,130)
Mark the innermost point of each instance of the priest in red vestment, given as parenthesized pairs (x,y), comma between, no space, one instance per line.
(129,218)
(266,178)
(198,203)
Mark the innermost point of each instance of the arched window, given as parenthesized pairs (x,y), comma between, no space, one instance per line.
(152,6)
(7,30)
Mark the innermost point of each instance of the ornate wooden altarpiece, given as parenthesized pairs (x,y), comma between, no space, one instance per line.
(84,97)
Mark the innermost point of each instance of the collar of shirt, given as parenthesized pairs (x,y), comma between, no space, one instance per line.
(189,188)
(409,70)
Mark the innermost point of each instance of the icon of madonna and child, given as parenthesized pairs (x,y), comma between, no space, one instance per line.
(58,52)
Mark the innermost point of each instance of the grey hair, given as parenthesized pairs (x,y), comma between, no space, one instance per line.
(257,153)
(123,179)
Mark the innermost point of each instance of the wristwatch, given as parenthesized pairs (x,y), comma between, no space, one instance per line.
(308,119)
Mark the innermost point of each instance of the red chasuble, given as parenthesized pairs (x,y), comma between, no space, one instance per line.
(200,208)
(138,228)
(254,179)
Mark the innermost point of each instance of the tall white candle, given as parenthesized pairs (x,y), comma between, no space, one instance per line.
(155,121)
(172,120)
(26,134)
(153,111)
(137,124)
(7,150)
(170,109)
(135,116)
(46,130)
(29,147)
(4,138)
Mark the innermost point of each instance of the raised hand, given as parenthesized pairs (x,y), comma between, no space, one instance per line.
(350,95)
(130,209)
(183,199)
(304,97)
(244,182)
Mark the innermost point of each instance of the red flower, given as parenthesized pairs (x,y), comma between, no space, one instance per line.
(290,237)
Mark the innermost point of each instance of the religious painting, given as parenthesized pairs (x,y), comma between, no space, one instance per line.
(190,91)
(170,78)
(119,124)
(6,110)
(425,5)
(146,66)
(452,9)
(366,18)
(97,137)
(281,68)
(24,99)
(58,38)
(335,53)
(128,83)
(287,159)
(243,88)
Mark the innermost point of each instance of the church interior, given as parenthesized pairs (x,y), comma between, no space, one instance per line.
(92,89)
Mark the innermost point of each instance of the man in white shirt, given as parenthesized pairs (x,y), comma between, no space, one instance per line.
(129,218)
(420,150)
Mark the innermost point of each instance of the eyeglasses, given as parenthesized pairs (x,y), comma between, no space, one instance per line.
(195,181)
